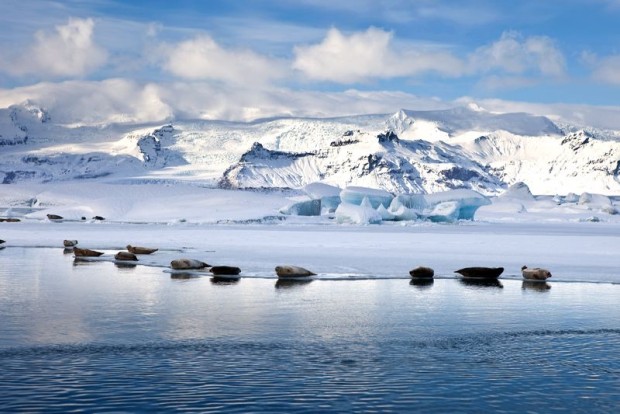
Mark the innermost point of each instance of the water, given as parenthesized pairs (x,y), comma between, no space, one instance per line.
(96,337)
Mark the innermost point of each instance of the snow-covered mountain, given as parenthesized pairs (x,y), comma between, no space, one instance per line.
(409,151)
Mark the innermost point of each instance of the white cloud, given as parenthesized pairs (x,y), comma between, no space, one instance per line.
(67,52)
(202,58)
(121,100)
(363,56)
(607,69)
(94,102)
(599,116)
(514,54)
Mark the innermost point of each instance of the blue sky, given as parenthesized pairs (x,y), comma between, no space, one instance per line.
(258,58)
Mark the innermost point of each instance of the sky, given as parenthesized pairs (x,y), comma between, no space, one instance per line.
(103,61)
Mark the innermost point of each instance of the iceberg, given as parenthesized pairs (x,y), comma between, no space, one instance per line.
(597,202)
(358,214)
(445,206)
(355,195)
(518,191)
(594,200)
(328,194)
(303,208)
(402,209)
(446,212)
(385,214)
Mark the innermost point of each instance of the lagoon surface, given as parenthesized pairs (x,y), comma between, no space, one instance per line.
(98,337)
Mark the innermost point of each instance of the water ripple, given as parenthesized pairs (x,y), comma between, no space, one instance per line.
(503,372)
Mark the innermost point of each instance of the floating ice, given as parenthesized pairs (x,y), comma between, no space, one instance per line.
(385,214)
(358,214)
(594,200)
(403,207)
(303,208)
(355,195)
(597,202)
(518,191)
(328,194)
(446,212)
(468,201)
(446,206)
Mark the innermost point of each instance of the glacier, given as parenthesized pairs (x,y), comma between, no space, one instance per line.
(402,153)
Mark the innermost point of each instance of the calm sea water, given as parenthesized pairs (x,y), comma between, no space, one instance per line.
(96,337)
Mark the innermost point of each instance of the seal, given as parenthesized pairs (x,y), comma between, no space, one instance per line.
(125,256)
(480,272)
(422,272)
(2,241)
(535,273)
(293,271)
(187,264)
(54,217)
(98,218)
(140,250)
(70,243)
(86,252)
(225,270)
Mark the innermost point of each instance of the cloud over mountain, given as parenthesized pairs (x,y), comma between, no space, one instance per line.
(68,51)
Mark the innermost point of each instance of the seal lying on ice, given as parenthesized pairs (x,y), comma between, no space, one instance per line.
(86,252)
(293,271)
(225,270)
(125,256)
(422,272)
(535,273)
(70,243)
(480,272)
(187,264)
(140,250)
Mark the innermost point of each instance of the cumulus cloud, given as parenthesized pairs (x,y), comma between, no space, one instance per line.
(373,54)
(514,54)
(202,58)
(69,51)
(368,55)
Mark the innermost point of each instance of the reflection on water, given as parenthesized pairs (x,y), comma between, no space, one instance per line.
(184,276)
(536,286)
(89,338)
(218,280)
(481,283)
(292,283)
(125,266)
(422,284)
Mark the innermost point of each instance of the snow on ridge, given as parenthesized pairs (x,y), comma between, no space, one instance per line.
(461,119)
(430,151)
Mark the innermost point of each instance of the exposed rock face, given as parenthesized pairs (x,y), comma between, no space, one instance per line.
(389,163)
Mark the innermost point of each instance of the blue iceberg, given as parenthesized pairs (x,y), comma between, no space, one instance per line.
(355,195)
(446,206)
(358,214)
(328,194)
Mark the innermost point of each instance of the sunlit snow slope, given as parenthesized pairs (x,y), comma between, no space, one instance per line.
(409,151)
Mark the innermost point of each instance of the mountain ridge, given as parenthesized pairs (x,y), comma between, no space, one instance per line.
(404,152)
